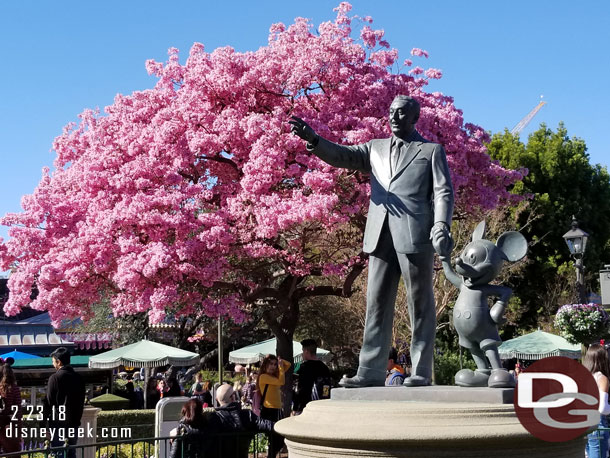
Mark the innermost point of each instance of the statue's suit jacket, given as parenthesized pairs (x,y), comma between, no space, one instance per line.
(417,195)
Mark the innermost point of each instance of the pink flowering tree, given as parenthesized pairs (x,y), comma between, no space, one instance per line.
(194,198)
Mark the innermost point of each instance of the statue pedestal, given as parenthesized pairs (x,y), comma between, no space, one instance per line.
(401,428)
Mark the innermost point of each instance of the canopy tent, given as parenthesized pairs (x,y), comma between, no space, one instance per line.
(144,353)
(16,355)
(538,345)
(256,352)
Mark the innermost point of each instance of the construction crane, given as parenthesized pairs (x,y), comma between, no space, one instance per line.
(525,121)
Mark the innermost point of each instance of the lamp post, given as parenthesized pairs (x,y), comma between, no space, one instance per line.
(576,239)
(220,355)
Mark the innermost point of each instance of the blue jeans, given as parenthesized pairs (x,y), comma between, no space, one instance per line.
(597,441)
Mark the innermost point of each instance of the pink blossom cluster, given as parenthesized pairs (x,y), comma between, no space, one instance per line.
(195,197)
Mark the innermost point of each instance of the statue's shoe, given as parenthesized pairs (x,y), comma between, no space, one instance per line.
(417,380)
(501,378)
(359,382)
(467,377)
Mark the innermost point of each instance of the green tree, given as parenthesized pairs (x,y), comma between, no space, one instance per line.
(561,182)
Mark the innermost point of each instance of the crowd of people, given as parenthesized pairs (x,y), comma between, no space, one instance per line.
(243,410)
(254,407)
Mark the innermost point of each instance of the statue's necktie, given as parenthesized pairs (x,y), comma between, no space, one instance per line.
(395,156)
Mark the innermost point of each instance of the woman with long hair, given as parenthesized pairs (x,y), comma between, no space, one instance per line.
(11,397)
(269,384)
(152,394)
(202,390)
(596,360)
(192,428)
(206,397)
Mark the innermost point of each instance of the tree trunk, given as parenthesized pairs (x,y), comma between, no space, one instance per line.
(284,351)
(283,327)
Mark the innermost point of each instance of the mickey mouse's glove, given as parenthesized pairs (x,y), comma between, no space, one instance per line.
(497,312)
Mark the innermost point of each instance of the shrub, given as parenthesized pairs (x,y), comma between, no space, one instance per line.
(110,402)
(141,422)
(447,364)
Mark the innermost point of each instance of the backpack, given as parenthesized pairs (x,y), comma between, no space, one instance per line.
(321,388)
(395,375)
(258,400)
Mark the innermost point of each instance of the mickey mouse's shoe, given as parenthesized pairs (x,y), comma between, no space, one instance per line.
(501,378)
(466,377)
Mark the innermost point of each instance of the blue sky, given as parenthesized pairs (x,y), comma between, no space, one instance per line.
(497,58)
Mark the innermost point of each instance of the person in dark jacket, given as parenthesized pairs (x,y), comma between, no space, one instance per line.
(308,372)
(173,387)
(194,438)
(65,400)
(230,417)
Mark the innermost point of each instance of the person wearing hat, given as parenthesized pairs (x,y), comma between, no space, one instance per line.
(310,371)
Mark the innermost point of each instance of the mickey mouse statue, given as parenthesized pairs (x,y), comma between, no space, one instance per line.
(476,324)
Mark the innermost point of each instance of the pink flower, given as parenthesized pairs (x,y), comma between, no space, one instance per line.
(433,73)
(419,52)
(193,197)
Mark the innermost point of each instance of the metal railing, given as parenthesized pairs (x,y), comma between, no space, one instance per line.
(217,445)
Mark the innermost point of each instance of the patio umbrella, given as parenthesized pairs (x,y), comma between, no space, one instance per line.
(538,345)
(144,353)
(256,352)
(16,354)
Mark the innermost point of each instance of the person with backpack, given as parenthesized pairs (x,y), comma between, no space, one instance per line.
(313,378)
(269,385)
(396,373)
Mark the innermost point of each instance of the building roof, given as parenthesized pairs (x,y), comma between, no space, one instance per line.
(28,337)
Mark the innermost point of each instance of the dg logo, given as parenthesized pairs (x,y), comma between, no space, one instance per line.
(557,399)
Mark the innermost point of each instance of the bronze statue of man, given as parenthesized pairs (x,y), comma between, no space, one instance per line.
(409,217)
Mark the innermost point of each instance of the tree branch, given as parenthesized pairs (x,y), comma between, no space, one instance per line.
(223,160)
(352,275)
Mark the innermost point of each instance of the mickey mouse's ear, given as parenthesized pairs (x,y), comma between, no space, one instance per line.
(479,231)
(513,245)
